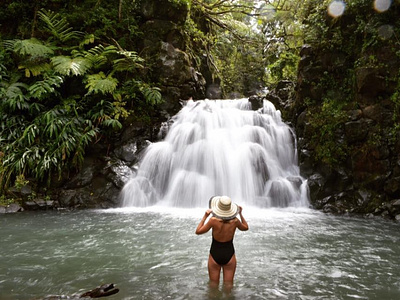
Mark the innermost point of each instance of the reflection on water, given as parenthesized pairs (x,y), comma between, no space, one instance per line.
(153,253)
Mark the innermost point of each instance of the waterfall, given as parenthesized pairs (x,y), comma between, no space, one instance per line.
(220,147)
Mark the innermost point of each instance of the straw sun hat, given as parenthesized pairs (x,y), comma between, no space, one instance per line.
(223,208)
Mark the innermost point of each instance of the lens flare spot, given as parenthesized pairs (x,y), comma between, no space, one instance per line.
(336,8)
(385,31)
(382,5)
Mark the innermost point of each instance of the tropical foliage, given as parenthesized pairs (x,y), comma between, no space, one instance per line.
(69,77)
(355,41)
(250,44)
(59,94)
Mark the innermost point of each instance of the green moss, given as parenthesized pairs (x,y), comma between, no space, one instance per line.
(327,125)
(342,46)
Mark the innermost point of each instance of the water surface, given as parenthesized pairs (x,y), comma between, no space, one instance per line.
(153,253)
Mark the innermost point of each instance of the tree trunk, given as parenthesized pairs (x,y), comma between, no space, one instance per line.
(120,10)
(34,21)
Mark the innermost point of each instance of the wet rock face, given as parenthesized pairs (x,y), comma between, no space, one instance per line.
(174,65)
(174,11)
(163,47)
(213,91)
(104,173)
(372,161)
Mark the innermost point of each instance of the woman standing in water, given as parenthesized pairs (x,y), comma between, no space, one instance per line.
(223,224)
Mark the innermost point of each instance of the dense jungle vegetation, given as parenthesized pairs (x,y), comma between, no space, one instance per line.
(71,71)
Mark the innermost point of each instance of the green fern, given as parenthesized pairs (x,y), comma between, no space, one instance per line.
(100,83)
(14,97)
(101,50)
(115,124)
(3,69)
(66,65)
(45,87)
(129,62)
(31,47)
(44,130)
(34,67)
(98,55)
(152,95)
(87,39)
(100,112)
(34,55)
(58,26)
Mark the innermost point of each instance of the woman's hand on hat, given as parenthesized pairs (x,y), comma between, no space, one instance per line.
(208,212)
(240,209)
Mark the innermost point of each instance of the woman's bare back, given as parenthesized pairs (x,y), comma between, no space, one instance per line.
(223,231)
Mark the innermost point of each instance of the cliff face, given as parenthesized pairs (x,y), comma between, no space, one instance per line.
(163,45)
(347,113)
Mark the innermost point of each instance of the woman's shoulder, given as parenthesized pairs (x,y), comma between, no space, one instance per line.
(237,221)
(215,220)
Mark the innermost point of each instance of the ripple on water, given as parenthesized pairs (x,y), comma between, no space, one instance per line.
(286,254)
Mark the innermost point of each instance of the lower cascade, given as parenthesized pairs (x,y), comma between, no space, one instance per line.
(220,147)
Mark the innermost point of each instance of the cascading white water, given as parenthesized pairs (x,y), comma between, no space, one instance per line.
(220,147)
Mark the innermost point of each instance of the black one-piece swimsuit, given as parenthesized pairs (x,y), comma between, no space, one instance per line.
(222,252)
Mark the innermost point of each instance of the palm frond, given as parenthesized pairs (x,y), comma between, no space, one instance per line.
(66,65)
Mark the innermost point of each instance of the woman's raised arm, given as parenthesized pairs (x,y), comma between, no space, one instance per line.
(242,224)
(203,228)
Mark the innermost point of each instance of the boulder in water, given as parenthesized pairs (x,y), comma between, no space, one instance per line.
(13,208)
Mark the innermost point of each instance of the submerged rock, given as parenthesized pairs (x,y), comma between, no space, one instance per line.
(13,208)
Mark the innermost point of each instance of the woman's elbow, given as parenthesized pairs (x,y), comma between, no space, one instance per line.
(244,228)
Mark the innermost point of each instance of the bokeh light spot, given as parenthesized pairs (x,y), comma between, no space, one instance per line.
(382,5)
(336,8)
(385,31)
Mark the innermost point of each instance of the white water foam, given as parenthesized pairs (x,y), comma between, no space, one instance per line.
(220,147)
